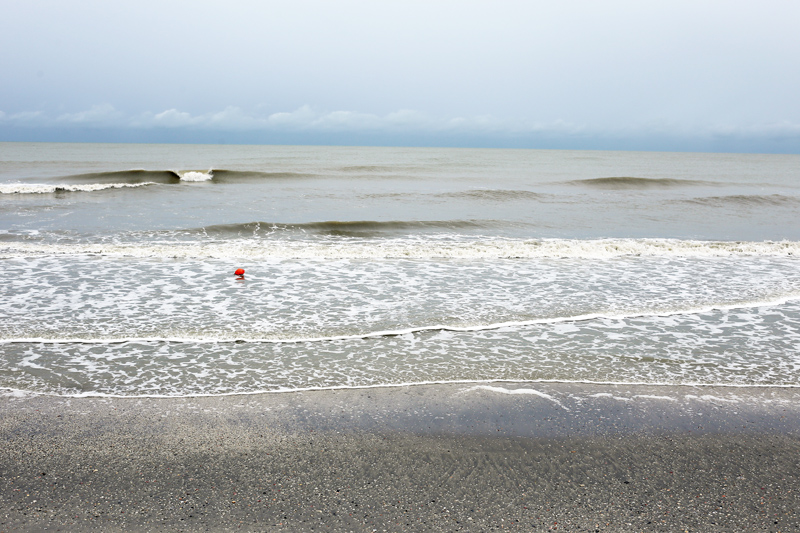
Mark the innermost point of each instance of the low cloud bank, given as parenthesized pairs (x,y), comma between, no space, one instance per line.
(302,119)
(404,127)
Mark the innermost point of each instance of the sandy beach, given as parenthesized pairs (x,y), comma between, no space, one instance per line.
(528,457)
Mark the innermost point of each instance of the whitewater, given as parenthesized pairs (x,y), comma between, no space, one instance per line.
(380,267)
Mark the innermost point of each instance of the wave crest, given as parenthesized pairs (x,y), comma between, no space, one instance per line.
(42,188)
(340,228)
(194,175)
(629,182)
(169,176)
(417,247)
(495,195)
(745,200)
(132,176)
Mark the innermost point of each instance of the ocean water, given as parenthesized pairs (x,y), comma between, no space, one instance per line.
(388,266)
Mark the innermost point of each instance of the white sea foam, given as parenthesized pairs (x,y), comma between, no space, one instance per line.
(413,248)
(216,339)
(43,188)
(655,397)
(394,297)
(531,392)
(712,398)
(16,393)
(104,300)
(22,393)
(609,395)
(689,351)
(193,175)
(148,326)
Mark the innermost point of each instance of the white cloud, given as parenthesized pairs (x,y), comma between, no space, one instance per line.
(349,120)
(98,114)
(299,118)
(405,121)
(233,118)
(171,118)
(408,117)
(25,118)
(781,129)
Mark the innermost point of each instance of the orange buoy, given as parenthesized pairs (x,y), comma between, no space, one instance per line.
(239,272)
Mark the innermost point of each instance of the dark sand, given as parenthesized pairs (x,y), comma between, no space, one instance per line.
(440,458)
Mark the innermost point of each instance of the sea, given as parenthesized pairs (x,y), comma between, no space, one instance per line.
(376,267)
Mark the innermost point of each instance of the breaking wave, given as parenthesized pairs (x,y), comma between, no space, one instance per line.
(170,176)
(96,181)
(415,247)
(123,176)
(40,188)
(195,175)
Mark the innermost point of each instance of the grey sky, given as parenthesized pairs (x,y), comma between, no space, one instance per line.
(621,74)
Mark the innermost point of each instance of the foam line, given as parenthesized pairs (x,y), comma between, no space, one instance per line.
(710,398)
(449,247)
(89,394)
(655,397)
(43,188)
(406,331)
(503,390)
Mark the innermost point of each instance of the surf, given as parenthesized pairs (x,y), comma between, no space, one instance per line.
(40,188)
(229,243)
(671,311)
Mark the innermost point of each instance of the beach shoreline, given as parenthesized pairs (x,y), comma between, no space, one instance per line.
(524,456)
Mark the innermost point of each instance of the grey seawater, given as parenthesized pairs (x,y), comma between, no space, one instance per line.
(382,266)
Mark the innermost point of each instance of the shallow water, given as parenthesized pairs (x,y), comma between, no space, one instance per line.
(372,266)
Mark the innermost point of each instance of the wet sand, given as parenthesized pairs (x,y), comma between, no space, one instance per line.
(528,457)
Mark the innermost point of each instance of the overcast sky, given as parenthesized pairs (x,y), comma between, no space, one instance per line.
(625,74)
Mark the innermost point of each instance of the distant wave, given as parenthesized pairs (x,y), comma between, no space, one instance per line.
(621,183)
(238,176)
(481,195)
(393,195)
(170,177)
(370,168)
(40,188)
(745,200)
(344,228)
(495,195)
(173,176)
(123,176)
(412,247)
